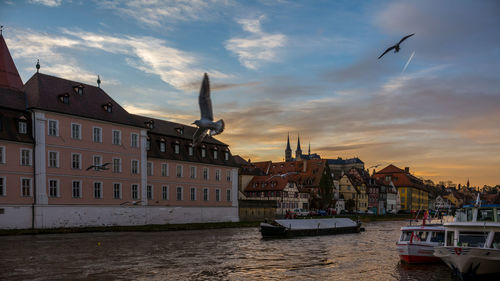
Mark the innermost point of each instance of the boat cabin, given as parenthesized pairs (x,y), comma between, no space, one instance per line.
(476,227)
(429,234)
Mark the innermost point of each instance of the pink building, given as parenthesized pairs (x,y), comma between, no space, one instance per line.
(71,156)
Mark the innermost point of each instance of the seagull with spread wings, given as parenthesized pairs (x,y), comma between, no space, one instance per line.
(206,124)
(396,47)
(99,167)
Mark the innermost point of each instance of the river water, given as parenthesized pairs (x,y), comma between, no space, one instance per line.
(221,254)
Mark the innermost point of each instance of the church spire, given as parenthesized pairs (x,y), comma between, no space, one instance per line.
(288,150)
(309,149)
(9,77)
(298,152)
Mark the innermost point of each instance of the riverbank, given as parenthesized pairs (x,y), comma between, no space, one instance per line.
(176,227)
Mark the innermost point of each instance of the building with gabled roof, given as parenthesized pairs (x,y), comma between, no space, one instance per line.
(413,193)
(71,156)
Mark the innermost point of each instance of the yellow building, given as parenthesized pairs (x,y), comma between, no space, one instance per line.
(412,191)
(355,190)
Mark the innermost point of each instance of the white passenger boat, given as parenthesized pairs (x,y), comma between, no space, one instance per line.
(416,243)
(472,244)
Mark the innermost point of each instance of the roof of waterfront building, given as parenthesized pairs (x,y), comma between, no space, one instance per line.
(400,177)
(9,77)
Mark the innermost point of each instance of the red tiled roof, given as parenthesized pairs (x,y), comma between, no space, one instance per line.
(9,77)
(400,178)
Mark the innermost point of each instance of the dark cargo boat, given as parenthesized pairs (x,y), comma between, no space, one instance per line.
(307,227)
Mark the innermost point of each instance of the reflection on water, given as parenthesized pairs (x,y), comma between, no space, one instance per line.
(222,254)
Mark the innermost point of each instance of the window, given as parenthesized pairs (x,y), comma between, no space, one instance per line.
(228,175)
(135,191)
(176,148)
(190,150)
(135,167)
(217,195)
(117,190)
(3,188)
(193,194)
(79,89)
(97,190)
(149,192)
(228,195)
(472,239)
(192,172)
(217,175)
(22,126)
(2,154)
(485,215)
(77,192)
(162,146)
(53,159)
(117,137)
(76,161)
(53,127)
(164,170)
(25,157)
(205,194)
(150,168)
(53,188)
(216,154)
(97,160)
(179,193)
(205,173)
(25,187)
(97,134)
(226,156)
(134,140)
(64,98)
(76,131)
(203,153)
(117,165)
(164,192)
(148,144)
(108,107)
(179,171)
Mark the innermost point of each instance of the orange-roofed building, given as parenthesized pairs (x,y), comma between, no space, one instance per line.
(412,191)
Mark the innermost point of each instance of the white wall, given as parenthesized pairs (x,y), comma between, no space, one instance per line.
(52,216)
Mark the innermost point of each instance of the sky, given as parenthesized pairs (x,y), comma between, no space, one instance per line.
(281,67)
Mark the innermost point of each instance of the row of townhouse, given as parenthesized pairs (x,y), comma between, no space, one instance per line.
(72,156)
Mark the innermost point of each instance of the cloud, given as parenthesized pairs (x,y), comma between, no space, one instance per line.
(50,3)
(159,13)
(259,47)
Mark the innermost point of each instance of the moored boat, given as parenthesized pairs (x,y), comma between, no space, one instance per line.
(307,227)
(472,242)
(416,243)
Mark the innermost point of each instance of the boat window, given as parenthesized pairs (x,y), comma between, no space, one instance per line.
(405,236)
(450,236)
(437,237)
(469,214)
(472,239)
(422,235)
(496,241)
(485,215)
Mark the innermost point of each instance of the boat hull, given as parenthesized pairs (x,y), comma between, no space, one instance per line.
(417,253)
(470,262)
(270,231)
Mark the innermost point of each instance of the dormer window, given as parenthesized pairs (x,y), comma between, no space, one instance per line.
(148,144)
(79,89)
(216,153)
(203,152)
(108,107)
(177,147)
(22,125)
(149,124)
(64,98)
(180,130)
(163,145)
(226,155)
(190,149)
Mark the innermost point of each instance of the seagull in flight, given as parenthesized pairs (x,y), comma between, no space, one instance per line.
(99,167)
(206,124)
(396,47)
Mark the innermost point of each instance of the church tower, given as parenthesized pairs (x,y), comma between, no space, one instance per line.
(298,152)
(288,150)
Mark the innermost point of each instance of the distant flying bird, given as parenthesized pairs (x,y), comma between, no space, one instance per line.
(99,167)
(206,124)
(396,47)
(374,166)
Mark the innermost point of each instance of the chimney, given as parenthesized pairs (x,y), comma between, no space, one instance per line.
(407,170)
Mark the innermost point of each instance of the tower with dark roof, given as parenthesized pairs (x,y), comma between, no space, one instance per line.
(298,152)
(288,150)
(9,77)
